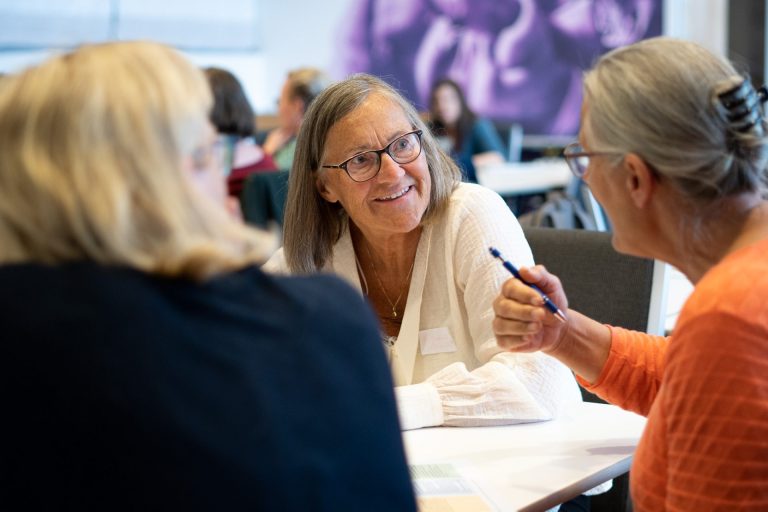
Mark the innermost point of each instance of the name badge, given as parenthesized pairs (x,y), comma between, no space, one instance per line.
(436,341)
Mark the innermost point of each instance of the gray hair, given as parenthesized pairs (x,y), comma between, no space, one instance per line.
(312,225)
(659,99)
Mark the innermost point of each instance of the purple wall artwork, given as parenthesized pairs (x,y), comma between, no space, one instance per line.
(518,60)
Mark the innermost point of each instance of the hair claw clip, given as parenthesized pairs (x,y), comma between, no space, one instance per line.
(742,104)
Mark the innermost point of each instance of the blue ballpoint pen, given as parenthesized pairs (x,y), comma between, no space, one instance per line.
(547,301)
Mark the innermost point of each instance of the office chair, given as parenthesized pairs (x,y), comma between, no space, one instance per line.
(603,284)
(609,287)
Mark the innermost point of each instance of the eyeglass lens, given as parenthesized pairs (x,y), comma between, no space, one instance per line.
(581,163)
(365,165)
(576,159)
(220,153)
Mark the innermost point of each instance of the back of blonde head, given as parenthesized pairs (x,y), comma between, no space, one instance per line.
(91,148)
(658,98)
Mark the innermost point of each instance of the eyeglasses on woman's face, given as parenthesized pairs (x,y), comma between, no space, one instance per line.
(365,166)
(578,159)
(219,153)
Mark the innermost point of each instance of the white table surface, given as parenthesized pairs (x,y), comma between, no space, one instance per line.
(535,466)
(508,179)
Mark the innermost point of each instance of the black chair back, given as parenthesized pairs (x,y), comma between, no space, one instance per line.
(601,283)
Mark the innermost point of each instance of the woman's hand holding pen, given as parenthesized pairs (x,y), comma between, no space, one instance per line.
(522,323)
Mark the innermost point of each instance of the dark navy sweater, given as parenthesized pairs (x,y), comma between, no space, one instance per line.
(124,391)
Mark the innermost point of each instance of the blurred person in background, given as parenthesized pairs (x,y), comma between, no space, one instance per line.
(299,90)
(472,141)
(233,116)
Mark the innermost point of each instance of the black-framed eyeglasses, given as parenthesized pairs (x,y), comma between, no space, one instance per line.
(578,159)
(366,165)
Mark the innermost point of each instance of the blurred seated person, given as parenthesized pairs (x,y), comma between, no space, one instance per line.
(299,90)
(147,363)
(471,140)
(373,199)
(233,116)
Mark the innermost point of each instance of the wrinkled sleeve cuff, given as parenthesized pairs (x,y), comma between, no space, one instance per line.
(419,406)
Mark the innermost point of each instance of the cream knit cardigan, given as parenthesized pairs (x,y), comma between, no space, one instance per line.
(446,364)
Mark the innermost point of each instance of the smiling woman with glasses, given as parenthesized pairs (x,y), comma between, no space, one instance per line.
(395,221)
(687,184)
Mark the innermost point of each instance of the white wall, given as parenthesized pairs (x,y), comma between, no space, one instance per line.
(703,21)
(294,33)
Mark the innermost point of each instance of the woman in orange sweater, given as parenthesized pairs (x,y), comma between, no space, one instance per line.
(673,144)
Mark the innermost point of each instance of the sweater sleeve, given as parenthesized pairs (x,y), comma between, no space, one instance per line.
(507,388)
(632,374)
(510,388)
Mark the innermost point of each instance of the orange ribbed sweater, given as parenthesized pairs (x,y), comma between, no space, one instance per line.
(705,393)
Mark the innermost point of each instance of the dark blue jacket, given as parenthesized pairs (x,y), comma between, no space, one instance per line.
(123,391)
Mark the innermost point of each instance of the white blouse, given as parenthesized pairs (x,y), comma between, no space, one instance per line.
(445,362)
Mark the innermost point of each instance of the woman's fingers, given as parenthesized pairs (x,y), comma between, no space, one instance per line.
(540,276)
(548,283)
(505,326)
(521,323)
(509,310)
(527,343)
(518,317)
(516,290)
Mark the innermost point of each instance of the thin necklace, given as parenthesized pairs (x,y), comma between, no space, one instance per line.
(381,285)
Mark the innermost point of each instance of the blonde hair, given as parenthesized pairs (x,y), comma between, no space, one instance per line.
(307,83)
(312,225)
(658,99)
(91,151)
